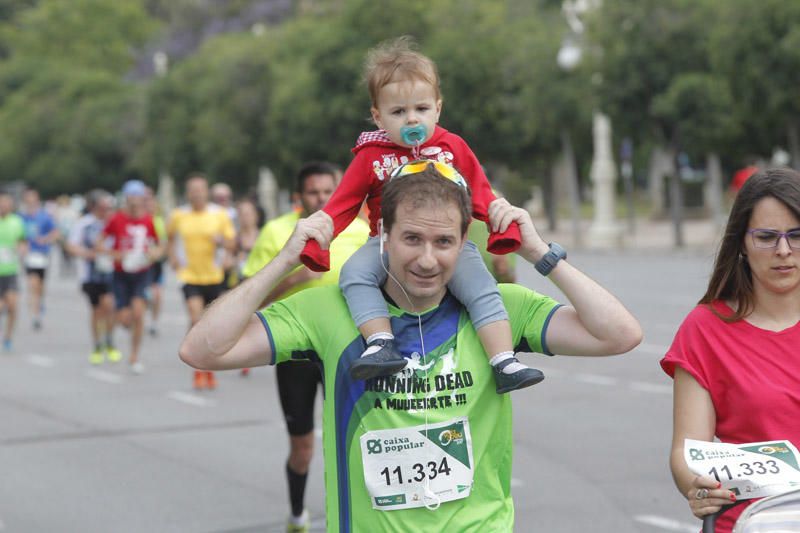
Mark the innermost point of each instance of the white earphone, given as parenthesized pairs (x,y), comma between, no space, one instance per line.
(382,236)
(429,498)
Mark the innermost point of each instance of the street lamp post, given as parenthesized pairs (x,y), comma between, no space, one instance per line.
(604,231)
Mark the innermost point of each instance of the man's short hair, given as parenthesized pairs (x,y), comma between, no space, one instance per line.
(398,60)
(95,196)
(196,176)
(315,167)
(423,189)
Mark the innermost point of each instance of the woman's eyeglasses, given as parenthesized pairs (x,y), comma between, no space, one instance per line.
(769,238)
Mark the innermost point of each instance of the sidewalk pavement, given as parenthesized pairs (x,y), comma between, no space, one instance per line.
(649,235)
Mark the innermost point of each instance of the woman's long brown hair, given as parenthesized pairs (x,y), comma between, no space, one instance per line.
(731,279)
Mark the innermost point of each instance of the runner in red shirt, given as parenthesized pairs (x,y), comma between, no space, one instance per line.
(133,243)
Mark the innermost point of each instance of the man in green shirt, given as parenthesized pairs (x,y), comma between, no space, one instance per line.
(12,244)
(429,448)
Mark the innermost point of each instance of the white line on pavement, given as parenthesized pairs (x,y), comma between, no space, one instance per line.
(191,399)
(651,348)
(657,388)
(667,524)
(41,360)
(102,375)
(595,379)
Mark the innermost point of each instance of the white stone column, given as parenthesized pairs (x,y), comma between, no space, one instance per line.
(604,233)
(166,193)
(267,190)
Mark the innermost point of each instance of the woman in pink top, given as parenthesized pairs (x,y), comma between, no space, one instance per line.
(734,359)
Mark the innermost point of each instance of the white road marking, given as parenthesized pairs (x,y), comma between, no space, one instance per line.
(608,381)
(656,349)
(655,388)
(105,377)
(595,379)
(191,399)
(41,360)
(667,524)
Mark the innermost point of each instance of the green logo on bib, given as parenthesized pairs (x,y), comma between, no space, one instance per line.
(452,440)
(397,499)
(374,446)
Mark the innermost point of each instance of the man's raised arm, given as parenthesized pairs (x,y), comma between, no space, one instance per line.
(229,335)
(596,322)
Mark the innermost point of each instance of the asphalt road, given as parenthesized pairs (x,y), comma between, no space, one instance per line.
(97,449)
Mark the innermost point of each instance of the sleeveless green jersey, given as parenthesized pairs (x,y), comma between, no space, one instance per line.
(451,382)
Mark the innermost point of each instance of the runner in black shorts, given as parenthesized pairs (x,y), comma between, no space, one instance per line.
(298,380)
(209,293)
(39,272)
(95,291)
(297,388)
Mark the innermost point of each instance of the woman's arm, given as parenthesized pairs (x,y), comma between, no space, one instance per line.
(694,417)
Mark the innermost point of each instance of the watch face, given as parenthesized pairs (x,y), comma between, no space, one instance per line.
(546,264)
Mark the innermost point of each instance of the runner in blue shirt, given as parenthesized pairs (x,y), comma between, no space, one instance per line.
(41,232)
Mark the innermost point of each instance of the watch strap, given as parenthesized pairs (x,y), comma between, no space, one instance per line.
(548,262)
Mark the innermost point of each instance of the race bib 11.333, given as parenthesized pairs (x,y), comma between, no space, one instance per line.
(750,470)
(415,466)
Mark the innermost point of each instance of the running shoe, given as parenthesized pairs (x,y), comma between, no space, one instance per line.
(298,524)
(244,372)
(211,381)
(137,368)
(516,376)
(114,355)
(37,324)
(6,345)
(96,357)
(380,358)
(199,380)
(153,331)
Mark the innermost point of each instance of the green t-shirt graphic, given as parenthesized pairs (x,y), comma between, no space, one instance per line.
(465,428)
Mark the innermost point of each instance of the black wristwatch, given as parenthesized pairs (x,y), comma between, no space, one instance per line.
(548,262)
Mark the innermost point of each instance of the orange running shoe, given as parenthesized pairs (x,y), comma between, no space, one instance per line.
(211,381)
(245,372)
(199,380)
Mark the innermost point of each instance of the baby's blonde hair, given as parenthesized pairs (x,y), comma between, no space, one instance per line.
(398,60)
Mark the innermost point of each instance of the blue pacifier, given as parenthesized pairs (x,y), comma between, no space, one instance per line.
(413,135)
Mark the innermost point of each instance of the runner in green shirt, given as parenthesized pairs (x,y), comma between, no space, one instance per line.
(12,245)
(429,448)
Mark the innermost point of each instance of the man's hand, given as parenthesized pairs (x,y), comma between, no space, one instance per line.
(318,226)
(502,214)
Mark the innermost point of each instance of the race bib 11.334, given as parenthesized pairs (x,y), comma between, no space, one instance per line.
(418,466)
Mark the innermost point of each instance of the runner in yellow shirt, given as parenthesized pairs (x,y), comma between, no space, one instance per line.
(298,380)
(201,240)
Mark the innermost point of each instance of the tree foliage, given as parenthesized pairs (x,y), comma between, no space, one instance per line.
(85,108)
